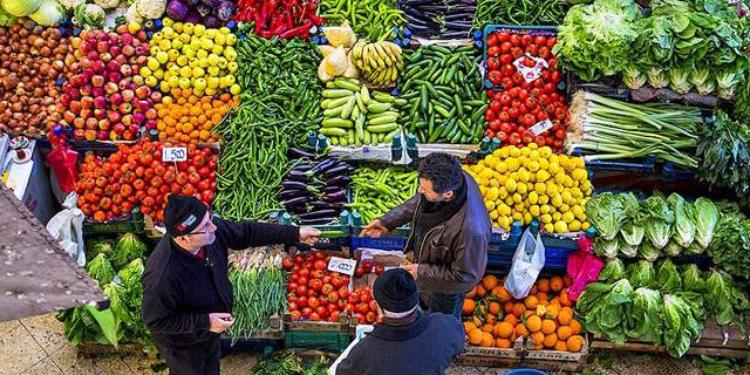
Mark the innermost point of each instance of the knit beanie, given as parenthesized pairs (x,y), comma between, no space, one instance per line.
(183,214)
(396,291)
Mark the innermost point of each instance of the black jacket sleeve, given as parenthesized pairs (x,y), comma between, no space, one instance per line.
(161,316)
(245,234)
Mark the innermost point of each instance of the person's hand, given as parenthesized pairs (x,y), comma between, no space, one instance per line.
(375,229)
(309,235)
(220,322)
(411,268)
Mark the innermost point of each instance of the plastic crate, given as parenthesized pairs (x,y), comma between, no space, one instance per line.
(394,240)
(533,30)
(133,223)
(638,167)
(319,340)
(260,345)
(555,258)
(671,172)
(335,235)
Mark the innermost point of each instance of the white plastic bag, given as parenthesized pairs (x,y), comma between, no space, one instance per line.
(527,263)
(67,228)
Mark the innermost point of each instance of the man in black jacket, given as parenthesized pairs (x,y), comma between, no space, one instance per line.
(450,232)
(187,297)
(406,341)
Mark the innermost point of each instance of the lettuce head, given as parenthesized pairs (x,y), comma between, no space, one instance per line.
(659,221)
(683,230)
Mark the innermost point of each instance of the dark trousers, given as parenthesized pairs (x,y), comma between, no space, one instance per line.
(450,304)
(200,359)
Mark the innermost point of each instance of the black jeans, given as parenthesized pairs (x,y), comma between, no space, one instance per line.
(201,359)
(450,304)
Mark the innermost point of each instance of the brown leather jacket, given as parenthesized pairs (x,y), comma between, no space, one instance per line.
(453,254)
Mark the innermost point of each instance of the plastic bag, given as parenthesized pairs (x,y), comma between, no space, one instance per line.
(527,263)
(63,160)
(67,228)
(583,267)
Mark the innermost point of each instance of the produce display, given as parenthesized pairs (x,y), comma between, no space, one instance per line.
(444,91)
(32,59)
(258,288)
(276,18)
(526,183)
(135,176)
(730,243)
(316,191)
(354,116)
(212,13)
(492,318)
(377,191)
(724,151)
(373,20)
(186,118)
(117,266)
(520,12)
(529,108)
(43,12)
(441,19)
(379,63)
(605,129)
(191,57)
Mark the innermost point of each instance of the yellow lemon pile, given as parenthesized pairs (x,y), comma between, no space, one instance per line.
(526,183)
(190,56)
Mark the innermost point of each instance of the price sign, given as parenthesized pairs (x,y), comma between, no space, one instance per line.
(174,154)
(342,265)
(541,127)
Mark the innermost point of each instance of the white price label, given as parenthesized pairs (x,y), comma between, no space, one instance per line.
(342,265)
(170,154)
(541,127)
(530,74)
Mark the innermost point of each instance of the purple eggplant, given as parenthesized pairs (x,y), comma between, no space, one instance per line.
(336,197)
(296,201)
(339,170)
(341,180)
(288,194)
(318,214)
(292,184)
(332,189)
(322,166)
(296,153)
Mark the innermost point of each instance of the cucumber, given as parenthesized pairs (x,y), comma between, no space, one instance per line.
(348,107)
(341,84)
(383,114)
(383,97)
(376,107)
(337,93)
(333,112)
(359,127)
(334,141)
(337,123)
(360,103)
(350,138)
(333,103)
(383,128)
(365,94)
(332,132)
(366,139)
(355,113)
(382,120)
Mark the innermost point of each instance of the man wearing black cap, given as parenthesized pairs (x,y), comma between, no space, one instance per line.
(406,341)
(450,232)
(187,297)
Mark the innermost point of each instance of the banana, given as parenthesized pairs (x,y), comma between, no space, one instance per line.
(385,51)
(384,56)
(357,54)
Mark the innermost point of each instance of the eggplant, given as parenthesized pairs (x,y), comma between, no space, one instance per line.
(291,202)
(336,197)
(319,221)
(459,17)
(296,153)
(288,194)
(322,205)
(297,175)
(292,184)
(322,166)
(332,189)
(456,25)
(341,169)
(455,34)
(414,13)
(342,180)
(409,3)
(318,214)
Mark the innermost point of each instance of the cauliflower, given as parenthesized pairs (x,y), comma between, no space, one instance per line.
(132,15)
(71,4)
(107,4)
(89,16)
(150,9)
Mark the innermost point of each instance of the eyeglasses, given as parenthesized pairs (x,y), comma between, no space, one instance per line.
(208,224)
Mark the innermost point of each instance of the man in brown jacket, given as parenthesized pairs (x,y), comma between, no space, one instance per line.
(450,232)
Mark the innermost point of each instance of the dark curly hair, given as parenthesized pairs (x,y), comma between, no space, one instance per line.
(443,170)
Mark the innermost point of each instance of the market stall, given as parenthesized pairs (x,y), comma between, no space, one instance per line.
(611,135)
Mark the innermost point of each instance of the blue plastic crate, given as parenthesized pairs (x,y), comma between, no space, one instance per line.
(395,240)
(638,167)
(554,259)
(671,172)
(533,30)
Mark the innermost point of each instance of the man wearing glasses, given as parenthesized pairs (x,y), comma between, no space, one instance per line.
(187,297)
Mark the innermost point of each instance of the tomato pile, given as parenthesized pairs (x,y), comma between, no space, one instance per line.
(135,176)
(316,294)
(517,106)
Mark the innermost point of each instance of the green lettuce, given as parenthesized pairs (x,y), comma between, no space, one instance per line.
(668,278)
(633,77)
(692,279)
(648,252)
(96,247)
(645,316)
(628,251)
(607,248)
(633,230)
(719,297)
(703,81)
(657,78)
(127,248)
(681,325)
(679,80)
(641,274)
(659,222)
(706,219)
(100,269)
(591,296)
(613,270)
(672,249)
(610,314)
(606,212)
(683,230)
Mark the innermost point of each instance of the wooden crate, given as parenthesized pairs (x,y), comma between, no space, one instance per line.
(555,360)
(345,320)
(492,357)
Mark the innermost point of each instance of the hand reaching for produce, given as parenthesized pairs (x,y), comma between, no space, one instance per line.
(220,322)
(411,268)
(309,235)
(375,229)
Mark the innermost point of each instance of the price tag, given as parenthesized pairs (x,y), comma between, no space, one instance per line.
(342,265)
(541,127)
(530,73)
(174,154)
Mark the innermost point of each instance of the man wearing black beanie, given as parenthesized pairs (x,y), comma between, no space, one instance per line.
(187,297)
(406,341)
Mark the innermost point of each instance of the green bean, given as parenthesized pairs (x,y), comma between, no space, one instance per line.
(519,12)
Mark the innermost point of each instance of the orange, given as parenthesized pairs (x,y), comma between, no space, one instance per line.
(552,311)
(508,307)
(565,316)
(494,308)
(534,323)
(503,343)
(575,343)
(481,292)
(501,293)
(575,326)
(487,340)
(550,341)
(521,330)
(538,339)
(556,283)
(561,346)
(512,319)
(489,327)
(518,309)
(567,280)
(469,326)
(503,330)
(564,332)
(564,298)
(476,320)
(543,285)
(469,307)
(489,282)
(475,336)
(529,313)
(548,326)
(531,302)
(491,319)
(543,297)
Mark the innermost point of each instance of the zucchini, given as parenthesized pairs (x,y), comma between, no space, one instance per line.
(382,120)
(332,132)
(376,107)
(337,93)
(337,123)
(383,128)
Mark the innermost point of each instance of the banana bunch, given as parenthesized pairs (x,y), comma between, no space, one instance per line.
(354,116)
(378,63)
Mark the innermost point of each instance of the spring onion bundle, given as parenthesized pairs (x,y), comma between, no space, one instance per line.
(259,290)
(605,129)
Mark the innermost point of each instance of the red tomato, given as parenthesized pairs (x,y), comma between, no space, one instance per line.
(373,306)
(291,286)
(493,51)
(505,99)
(544,52)
(322,312)
(366,297)
(505,47)
(302,302)
(320,265)
(359,272)
(494,125)
(315,284)
(515,40)
(495,77)
(313,302)
(363,308)
(506,58)
(492,40)
(516,52)
(353,298)
(493,63)
(508,70)
(293,306)
(343,292)
(551,42)
(301,290)
(526,39)
(296,315)
(333,297)
(317,274)
(502,36)
(314,317)
(335,316)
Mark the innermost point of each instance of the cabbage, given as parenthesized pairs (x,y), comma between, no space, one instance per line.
(632,229)
(100,269)
(606,213)
(648,252)
(613,270)
(591,296)
(641,274)
(672,249)
(127,248)
(692,279)
(645,315)
(49,13)
(683,230)
(6,19)
(668,279)
(607,248)
(20,8)
(681,325)
(659,221)
(706,218)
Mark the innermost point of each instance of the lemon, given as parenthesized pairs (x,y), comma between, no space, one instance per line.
(494,183)
(553,168)
(511,185)
(534,166)
(177,44)
(502,193)
(545,209)
(534,210)
(504,209)
(231,39)
(525,151)
(165,44)
(579,174)
(549,228)
(515,152)
(544,199)
(542,176)
(509,201)
(490,204)
(184,83)
(482,190)
(504,222)
(521,188)
(527,218)
(492,194)
(564,207)
(177,27)
(557,200)
(167,22)
(546,218)
(493,215)
(561,227)
(574,226)
(199,29)
(568,217)
(551,189)
(226,81)
(517,216)
(217,49)
(524,175)
(198,72)
(556,216)
(577,211)
(173,54)
(533,197)
(585,226)
(567,196)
